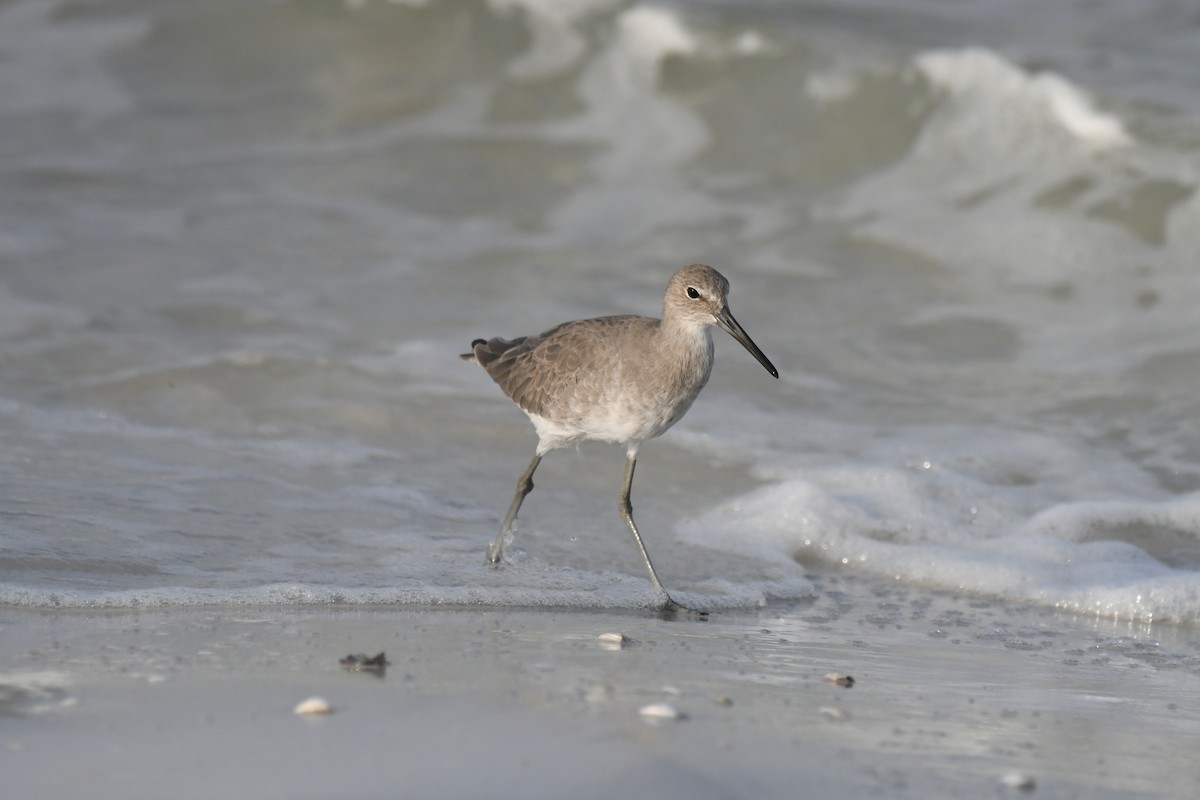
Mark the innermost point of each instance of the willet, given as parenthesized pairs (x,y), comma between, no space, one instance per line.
(620,379)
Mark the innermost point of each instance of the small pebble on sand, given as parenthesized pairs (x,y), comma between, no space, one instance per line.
(361,662)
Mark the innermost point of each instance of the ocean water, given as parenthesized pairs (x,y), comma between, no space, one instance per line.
(242,244)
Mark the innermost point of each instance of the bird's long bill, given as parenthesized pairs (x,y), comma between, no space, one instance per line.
(731,326)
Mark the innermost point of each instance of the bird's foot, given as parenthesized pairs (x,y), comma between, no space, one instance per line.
(671,609)
(495,552)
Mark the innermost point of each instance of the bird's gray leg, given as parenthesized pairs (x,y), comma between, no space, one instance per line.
(626,508)
(524,487)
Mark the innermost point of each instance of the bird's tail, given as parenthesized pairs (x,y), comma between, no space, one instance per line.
(471,355)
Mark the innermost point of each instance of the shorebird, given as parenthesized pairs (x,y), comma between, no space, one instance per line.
(622,380)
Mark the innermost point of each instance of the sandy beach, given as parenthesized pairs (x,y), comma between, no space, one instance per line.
(951,697)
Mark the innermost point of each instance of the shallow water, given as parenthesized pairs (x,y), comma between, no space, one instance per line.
(242,244)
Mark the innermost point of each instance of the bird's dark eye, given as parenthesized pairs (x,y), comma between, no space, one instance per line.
(692,293)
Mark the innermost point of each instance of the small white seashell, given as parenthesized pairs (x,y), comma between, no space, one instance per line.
(660,711)
(840,679)
(1019,781)
(832,713)
(314,705)
(613,641)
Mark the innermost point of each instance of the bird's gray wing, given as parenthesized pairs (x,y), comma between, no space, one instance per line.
(565,362)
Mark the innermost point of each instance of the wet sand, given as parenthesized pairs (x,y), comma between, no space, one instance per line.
(952,697)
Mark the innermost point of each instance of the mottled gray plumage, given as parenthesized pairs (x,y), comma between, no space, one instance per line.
(619,379)
(574,362)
